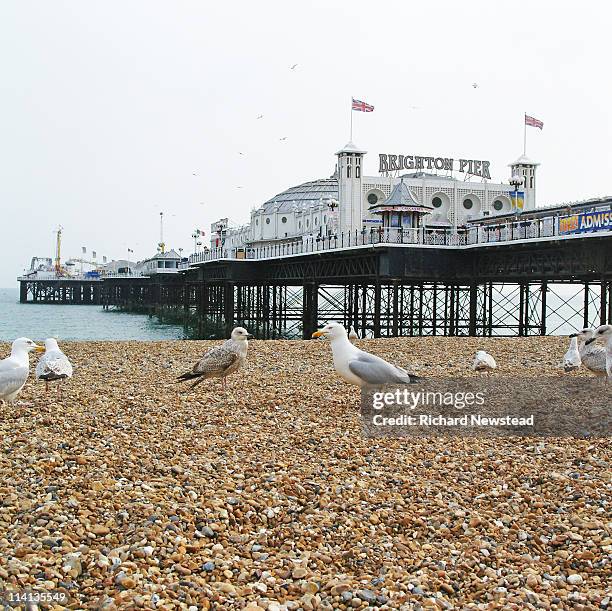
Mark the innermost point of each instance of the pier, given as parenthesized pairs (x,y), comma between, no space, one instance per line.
(486,281)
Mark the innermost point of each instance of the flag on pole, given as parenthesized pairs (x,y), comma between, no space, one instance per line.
(362,106)
(533,122)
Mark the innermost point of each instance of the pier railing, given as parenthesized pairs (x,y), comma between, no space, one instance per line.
(547,227)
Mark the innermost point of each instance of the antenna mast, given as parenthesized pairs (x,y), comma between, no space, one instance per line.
(162,246)
(58,252)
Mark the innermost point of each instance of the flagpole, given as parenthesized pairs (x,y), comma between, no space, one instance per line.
(351,111)
(525,134)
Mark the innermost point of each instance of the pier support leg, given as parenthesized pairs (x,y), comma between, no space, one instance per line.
(473,309)
(228,307)
(603,304)
(310,306)
(544,306)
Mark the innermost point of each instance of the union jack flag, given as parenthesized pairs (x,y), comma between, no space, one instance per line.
(362,106)
(533,122)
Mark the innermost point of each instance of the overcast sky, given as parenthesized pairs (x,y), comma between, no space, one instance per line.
(108,109)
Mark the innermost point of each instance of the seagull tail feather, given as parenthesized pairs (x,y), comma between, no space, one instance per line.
(189,375)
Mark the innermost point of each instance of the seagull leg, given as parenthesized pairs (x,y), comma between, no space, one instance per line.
(224,384)
(46,387)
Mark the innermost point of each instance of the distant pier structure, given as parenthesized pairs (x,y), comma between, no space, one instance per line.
(532,274)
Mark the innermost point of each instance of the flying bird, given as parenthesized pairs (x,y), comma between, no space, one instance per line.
(283,138)
(483,361)
(260,116)
(239,187)
(240,153)
(221,361)
(293,67)
(14,369)
(475,85)
(53,365)
(359,367)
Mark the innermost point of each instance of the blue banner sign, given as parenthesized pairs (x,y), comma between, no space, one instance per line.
(586,222)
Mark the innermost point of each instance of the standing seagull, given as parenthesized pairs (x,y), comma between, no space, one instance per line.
(604,332)
(219,362)
(53,365)
(353,334)
(572,360)
(483,361)
(593,356)
(14,370)
(358,367)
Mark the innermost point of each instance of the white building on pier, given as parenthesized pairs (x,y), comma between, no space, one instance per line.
(430,195)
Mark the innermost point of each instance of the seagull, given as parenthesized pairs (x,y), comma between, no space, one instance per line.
(353,334)
(475,85)
(604,332)
(219,362)
(14,370)
(53,365)
(571,360)
(593,356)
(283,138)
(238,187)
(260,116)
(193,174)
(358,367)
(483,361)
(293,67)
(240,153)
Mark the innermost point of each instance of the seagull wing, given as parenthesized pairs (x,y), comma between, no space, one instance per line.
(216,361)
(376,371)
(12,377)
(53,366)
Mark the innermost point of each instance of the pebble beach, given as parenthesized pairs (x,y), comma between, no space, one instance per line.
(132,492)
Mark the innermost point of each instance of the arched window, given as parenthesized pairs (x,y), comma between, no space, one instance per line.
(358,172)
(348,171)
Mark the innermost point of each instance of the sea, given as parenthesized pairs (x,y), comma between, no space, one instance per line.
(76,322)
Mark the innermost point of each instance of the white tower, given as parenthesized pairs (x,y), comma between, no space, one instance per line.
(350,167)
(526,169)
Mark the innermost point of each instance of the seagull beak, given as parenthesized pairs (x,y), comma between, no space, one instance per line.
(318,334)
(573,335)
(250,336)
(590,341)
(39,348)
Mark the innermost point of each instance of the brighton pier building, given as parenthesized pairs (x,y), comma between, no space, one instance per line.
(410,192)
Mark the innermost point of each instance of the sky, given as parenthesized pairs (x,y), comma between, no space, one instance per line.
(112,112)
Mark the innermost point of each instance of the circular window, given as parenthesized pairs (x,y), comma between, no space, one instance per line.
(372,199)
(498,204)
(267,221)
(284,219)
(437,202)
(468,204)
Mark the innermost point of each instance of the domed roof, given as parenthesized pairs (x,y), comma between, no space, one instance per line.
(303,195)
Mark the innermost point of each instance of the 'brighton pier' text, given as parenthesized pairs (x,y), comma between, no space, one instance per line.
(389,163)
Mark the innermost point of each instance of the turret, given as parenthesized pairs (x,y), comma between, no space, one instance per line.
(350,167)
(524,168)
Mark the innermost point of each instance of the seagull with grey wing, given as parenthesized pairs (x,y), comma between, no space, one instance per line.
(53,365)
(221,361)
(358,367)
(604,332)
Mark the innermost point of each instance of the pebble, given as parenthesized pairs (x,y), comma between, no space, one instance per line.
(137,493)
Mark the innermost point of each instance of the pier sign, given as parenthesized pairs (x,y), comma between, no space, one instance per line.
(474,167)
(586,222)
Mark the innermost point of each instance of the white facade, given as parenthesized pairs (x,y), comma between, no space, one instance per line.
(343,202)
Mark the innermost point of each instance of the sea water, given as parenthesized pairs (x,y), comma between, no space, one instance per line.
(76,322)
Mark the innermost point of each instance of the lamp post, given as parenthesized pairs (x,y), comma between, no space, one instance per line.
(516,181)
(333,204)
